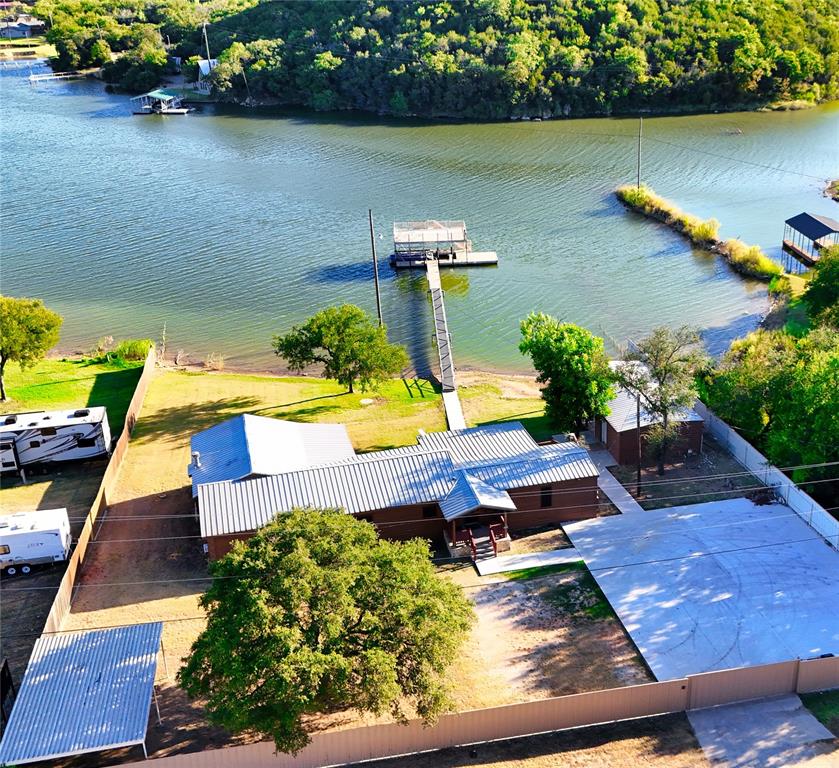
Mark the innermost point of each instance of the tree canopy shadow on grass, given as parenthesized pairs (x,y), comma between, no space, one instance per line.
(174,422)
(114,390)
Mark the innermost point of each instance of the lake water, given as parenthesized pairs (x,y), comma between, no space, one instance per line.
(230,226)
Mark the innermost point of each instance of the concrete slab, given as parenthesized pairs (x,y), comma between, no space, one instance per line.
(617,494)
(506,563)
(770,733)
(716,585)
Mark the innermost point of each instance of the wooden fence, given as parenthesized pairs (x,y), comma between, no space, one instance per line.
(352,745)
(61,604)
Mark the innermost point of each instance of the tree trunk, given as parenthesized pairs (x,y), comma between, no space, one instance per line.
(2,382)
(351,386)
(662,449)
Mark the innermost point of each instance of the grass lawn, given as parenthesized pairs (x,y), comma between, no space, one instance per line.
(825,706)
(27,47)
(56,384)
(488,398)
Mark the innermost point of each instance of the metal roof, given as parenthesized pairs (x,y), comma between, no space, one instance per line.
(83,692)
(256,445)
(395,478)
(813,226)
(39,419)
(362,486)
(469,493)
(478,445)
(428,232)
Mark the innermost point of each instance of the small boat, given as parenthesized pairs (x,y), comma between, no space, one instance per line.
(159,102)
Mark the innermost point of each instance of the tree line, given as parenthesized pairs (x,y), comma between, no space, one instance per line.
(478,59)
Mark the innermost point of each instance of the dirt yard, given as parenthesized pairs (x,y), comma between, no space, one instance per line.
(694,480)
(660,742)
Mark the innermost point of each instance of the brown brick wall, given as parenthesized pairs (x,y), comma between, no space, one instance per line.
(624,445)
(570,500)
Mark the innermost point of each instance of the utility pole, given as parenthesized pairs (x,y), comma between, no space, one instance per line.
(375,265)
(207,46)
(640,132)
(638,431)
(247,87)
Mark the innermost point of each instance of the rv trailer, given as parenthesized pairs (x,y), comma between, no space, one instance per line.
(33,538)
(43,437)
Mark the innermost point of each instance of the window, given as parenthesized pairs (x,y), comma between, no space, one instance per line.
(547,496)
(47,431)
(429,510)
(4,549)
(35,444)
(86,442)
(10,464)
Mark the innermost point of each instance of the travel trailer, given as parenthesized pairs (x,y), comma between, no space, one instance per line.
(35,538)
(44,437)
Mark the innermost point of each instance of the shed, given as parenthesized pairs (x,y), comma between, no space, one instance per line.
(83,692)
(807,233)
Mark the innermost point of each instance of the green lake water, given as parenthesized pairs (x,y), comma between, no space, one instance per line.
(230,226)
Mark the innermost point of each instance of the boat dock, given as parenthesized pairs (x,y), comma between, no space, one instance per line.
(57,76)
(451,401)
(415,242)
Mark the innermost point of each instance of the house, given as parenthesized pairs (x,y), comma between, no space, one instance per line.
(252,446)
(619,430)
(24,26)
(458,486)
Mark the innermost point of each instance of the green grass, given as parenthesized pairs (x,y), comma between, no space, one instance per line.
(798,320)
(750,260)
(54,384)
(644,200)
(485,403)
(825,706)
(525,574)
(582,597)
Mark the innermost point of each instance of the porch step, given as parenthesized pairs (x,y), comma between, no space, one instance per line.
(483,549)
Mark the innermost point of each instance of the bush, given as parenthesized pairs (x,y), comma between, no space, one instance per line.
(750,260)
(131,349)
(643,199)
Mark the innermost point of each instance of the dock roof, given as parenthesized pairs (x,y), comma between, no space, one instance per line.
(813,226)
(83,692)
(430,231)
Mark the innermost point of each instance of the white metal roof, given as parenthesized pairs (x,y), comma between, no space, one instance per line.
(83,692)
(14,422)
(37,520)
(430,231)
(205,66)
(256,445)
(478,445)
(399,477)
(469,493)
(363,486)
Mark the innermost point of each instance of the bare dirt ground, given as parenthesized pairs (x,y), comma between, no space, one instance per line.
(692,481)
(660,742)
(543,539)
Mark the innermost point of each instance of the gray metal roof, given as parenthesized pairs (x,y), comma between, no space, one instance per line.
(479,445)
(469,493)
(813,226)
(412,478)
(388,479)
(255,445)
(83,692)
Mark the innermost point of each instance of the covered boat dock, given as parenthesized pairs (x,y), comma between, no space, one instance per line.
(415,242)
(806,234)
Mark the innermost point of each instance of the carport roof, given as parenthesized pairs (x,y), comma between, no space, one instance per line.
(83,692)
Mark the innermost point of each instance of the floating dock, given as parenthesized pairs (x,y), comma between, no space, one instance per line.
(415,242)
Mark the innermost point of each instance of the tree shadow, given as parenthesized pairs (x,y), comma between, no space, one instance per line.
(173,423)
(114,390)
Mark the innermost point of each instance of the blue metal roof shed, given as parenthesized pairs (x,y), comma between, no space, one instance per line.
(83,692)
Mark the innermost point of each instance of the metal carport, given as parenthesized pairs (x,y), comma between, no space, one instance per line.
(83,692)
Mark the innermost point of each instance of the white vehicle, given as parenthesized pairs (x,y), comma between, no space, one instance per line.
(33,538)
(48,436)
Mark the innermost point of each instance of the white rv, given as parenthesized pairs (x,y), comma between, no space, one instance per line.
(33,538)
(47,436)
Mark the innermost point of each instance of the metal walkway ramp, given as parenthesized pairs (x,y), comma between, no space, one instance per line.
(451,402)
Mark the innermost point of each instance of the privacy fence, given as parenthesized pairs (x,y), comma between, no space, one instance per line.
(710,689)
(61,604)
(801,503)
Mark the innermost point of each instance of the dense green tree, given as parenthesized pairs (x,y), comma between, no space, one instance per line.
(489,59)
(572,366)
(28,330)
(349,345)
(822,294)
(661,369)
(316,614)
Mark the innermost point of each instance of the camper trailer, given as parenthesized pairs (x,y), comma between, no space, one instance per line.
(28,539)
(49,436)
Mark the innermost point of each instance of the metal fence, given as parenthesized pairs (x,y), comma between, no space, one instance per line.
(61,604)
(801,503)
(341,747)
